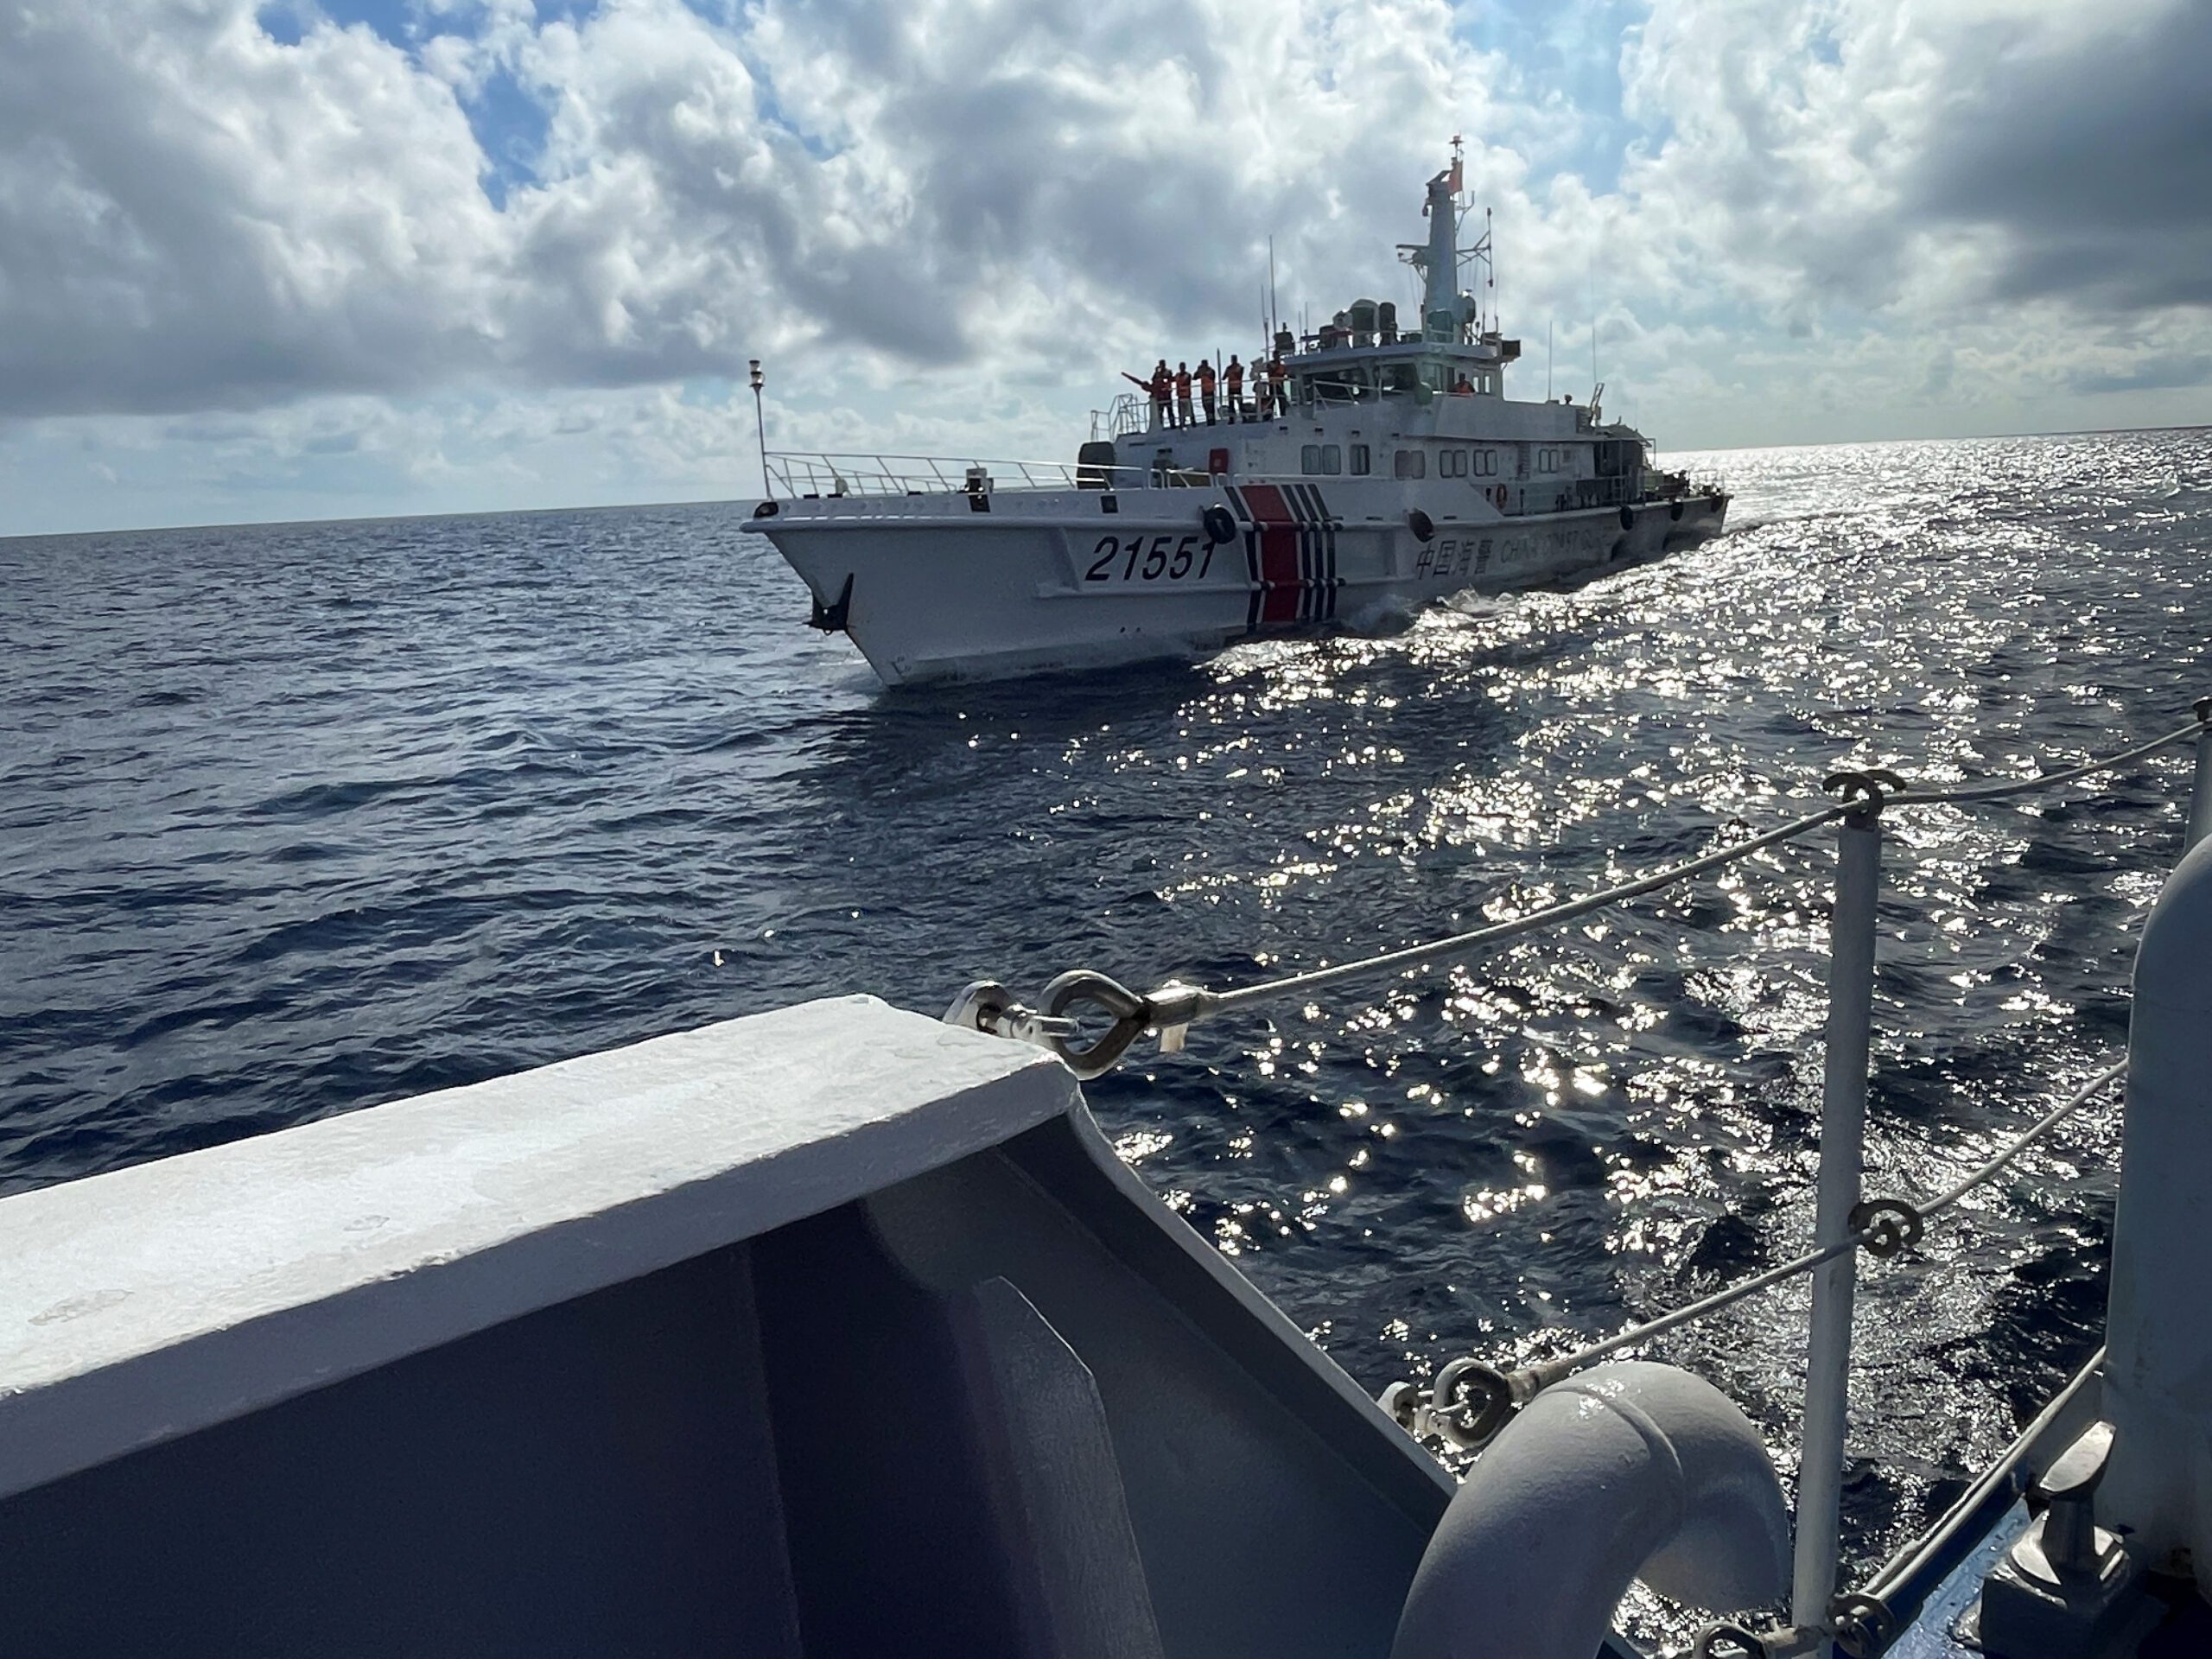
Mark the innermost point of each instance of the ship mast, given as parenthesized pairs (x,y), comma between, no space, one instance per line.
(1445,312)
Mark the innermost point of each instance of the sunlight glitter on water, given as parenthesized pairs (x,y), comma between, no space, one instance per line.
(308,817)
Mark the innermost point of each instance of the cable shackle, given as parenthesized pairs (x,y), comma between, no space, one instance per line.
(1884,1226)
(1491,1396)
(1865,791)
(987,1005)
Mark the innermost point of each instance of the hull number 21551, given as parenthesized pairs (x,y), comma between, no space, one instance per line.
(1141,560)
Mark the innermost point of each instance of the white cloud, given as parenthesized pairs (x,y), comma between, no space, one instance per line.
(949,223)
(193,216)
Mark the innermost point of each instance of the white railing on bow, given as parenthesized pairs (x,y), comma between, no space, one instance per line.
(795,476)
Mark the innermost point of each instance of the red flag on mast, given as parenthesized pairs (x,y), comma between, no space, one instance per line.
(1456,166)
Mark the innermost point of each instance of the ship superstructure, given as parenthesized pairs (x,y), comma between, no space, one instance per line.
(1385,470)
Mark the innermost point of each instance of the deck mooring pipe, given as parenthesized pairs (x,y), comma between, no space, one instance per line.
(2157,1385)
(1628,1471)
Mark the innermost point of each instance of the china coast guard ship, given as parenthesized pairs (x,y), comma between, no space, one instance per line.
(1393,472)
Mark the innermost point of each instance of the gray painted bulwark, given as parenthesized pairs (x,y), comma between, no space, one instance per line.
(155,1300)
(832,1333)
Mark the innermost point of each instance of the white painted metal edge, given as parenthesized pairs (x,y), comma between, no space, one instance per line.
(152,1301)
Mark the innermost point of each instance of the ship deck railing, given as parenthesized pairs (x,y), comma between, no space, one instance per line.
(1469,1400)
(1130,414)
(834,476)
(810,477)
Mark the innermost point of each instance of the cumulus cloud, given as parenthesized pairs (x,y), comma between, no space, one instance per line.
(196,213)
(192,215)
(1933,157)
(2088,153)
(961,215)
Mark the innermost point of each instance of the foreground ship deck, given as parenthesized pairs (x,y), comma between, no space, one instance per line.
(842,1331)
(832,1330)
(1392,471)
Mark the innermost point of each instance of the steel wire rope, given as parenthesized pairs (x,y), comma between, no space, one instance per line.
(2027,1138)
(1174,1008)
(1886,1230)
(1971,792)
(1569,909)
(1566,910)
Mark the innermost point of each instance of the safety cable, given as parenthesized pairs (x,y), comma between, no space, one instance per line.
(2026,1139)
(1174,1007)
(1966,793)
(1883,1226)
(1533,921)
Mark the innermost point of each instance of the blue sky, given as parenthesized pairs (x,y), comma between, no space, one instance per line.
(298,260)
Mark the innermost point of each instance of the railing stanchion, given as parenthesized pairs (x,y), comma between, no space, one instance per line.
(2200,798)
(1843,1127)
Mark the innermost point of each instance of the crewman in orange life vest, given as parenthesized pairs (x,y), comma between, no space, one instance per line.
(1234,375)
(1206,378)
(1156,386)
(1182,415)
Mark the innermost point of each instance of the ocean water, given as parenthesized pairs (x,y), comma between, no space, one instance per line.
(295,819)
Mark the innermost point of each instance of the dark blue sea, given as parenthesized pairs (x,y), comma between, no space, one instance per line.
(298,818)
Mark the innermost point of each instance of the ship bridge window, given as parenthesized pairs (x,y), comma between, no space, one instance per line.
(1411,463)
(1345,383)
(1359,461)
(1486,463)
(1401,378)
(1452,463)
(1322,458)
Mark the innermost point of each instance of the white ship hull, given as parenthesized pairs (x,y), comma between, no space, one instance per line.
(933,588)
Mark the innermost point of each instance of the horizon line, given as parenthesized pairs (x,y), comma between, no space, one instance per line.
(735,500)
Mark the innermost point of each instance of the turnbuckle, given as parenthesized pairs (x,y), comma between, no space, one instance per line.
(989,1006)
(1731,1640)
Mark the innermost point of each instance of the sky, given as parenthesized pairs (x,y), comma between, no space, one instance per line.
(291,260)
